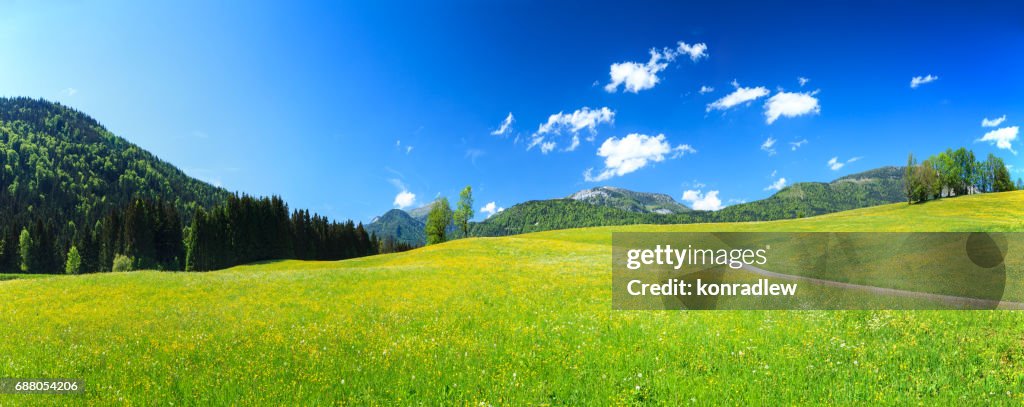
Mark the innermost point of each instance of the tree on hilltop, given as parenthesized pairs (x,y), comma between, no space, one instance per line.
(437,221)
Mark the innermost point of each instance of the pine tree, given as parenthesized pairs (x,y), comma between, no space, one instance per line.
(194,260)
(74,262)
(25,249)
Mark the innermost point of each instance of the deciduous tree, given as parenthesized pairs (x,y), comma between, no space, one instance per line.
(464,210)
(438,220)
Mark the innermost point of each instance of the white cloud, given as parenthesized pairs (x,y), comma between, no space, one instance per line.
(797,144)
(921,80)
(986,122)
(835,164)
(490,209)
(739,96)
(635,76)
(584,118)
(405,199)
(69,91)
(702,202)
(768,146)
(803,81)
(575,143)
(633,152)
(506,126)
(790,104)
(777,185)
(705,89)
(571,123)
(695,51)
(1003,138)
(408,149)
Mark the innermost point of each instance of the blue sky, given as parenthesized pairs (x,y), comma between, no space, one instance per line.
(348,108)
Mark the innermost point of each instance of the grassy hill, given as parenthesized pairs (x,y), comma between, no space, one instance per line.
(505,321)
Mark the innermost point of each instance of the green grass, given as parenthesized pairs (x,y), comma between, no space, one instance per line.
(513,320)
(10,276)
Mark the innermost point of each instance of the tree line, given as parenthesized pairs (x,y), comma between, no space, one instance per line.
(247,229)
(148,234)
(954,173)
(145,234)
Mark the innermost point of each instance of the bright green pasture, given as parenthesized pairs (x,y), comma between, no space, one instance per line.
(513,320)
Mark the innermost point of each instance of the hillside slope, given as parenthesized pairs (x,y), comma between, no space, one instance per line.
(509,320)
(61,168)
(60,161)
(873,187)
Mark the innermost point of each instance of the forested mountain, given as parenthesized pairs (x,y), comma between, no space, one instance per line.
(631,201)
(400,226)
(60,170)
(875,187)
(76,198)
(56,162)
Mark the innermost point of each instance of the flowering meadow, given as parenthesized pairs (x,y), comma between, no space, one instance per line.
(500,321)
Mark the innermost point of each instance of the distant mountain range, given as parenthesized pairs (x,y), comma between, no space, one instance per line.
(605,205)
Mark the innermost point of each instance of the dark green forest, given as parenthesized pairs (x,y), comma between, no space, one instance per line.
(248,229)
(76,198)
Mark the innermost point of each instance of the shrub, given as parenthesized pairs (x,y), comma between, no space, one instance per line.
(123,263)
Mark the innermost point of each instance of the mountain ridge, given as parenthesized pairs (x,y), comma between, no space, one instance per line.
(869,188)
(631,201)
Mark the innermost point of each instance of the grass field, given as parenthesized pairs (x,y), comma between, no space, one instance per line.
(514,320)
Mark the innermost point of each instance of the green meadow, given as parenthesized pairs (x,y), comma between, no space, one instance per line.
(501,321)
